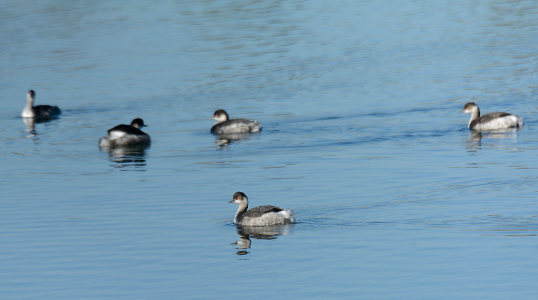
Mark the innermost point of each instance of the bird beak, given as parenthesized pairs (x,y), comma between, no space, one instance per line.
(231,201)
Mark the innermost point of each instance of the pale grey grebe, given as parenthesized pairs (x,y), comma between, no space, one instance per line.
(226,126)
(43,112)
(265,215)
(126,135)
(491,121)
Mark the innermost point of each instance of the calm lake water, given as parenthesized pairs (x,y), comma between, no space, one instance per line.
(363,139)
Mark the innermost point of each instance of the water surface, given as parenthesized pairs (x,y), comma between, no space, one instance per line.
(363,138)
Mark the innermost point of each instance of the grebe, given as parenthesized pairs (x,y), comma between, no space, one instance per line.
(43,112)
(491,121)
(226,126)
(126,135)
(265,215)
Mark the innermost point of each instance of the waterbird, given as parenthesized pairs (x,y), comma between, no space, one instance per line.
(126,135)
(265,215)
(226,126)
(38,112)
(491,121)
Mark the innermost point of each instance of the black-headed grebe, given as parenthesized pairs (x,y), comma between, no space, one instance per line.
(491,121)
(42,112)
(265,215)
(226,126)
(126,135)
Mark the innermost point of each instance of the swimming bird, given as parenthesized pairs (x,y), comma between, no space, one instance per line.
(491,121)
(265,215)
(226,126)
(126,135)
(41,112)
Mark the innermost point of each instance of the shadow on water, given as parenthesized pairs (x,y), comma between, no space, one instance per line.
(246,233)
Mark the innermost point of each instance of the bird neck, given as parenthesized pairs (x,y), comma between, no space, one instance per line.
(29,100)
(240,212)
(28,108)
(474,115)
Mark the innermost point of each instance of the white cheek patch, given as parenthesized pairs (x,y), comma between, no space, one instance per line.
(220,118)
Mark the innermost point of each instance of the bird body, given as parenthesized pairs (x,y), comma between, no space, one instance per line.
(491,121)
(39,112)
(225,125)
(265,215)
(126,135)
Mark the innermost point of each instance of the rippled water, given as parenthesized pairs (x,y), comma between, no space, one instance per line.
(363,138)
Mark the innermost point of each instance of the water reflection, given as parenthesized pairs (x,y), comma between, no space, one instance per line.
(123,157)
(474,141)
(223,140)
(258,232)
(30,126)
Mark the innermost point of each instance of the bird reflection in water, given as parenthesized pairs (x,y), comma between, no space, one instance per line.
(134,156)
(30,126)
(224,140)
(246,233)
(474,141)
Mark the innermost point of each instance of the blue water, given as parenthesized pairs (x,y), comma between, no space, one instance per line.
(363,139)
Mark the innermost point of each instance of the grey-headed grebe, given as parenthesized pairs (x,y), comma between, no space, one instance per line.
(491,121)
(265,215)
(226,126)
(40,112)
(126,135)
